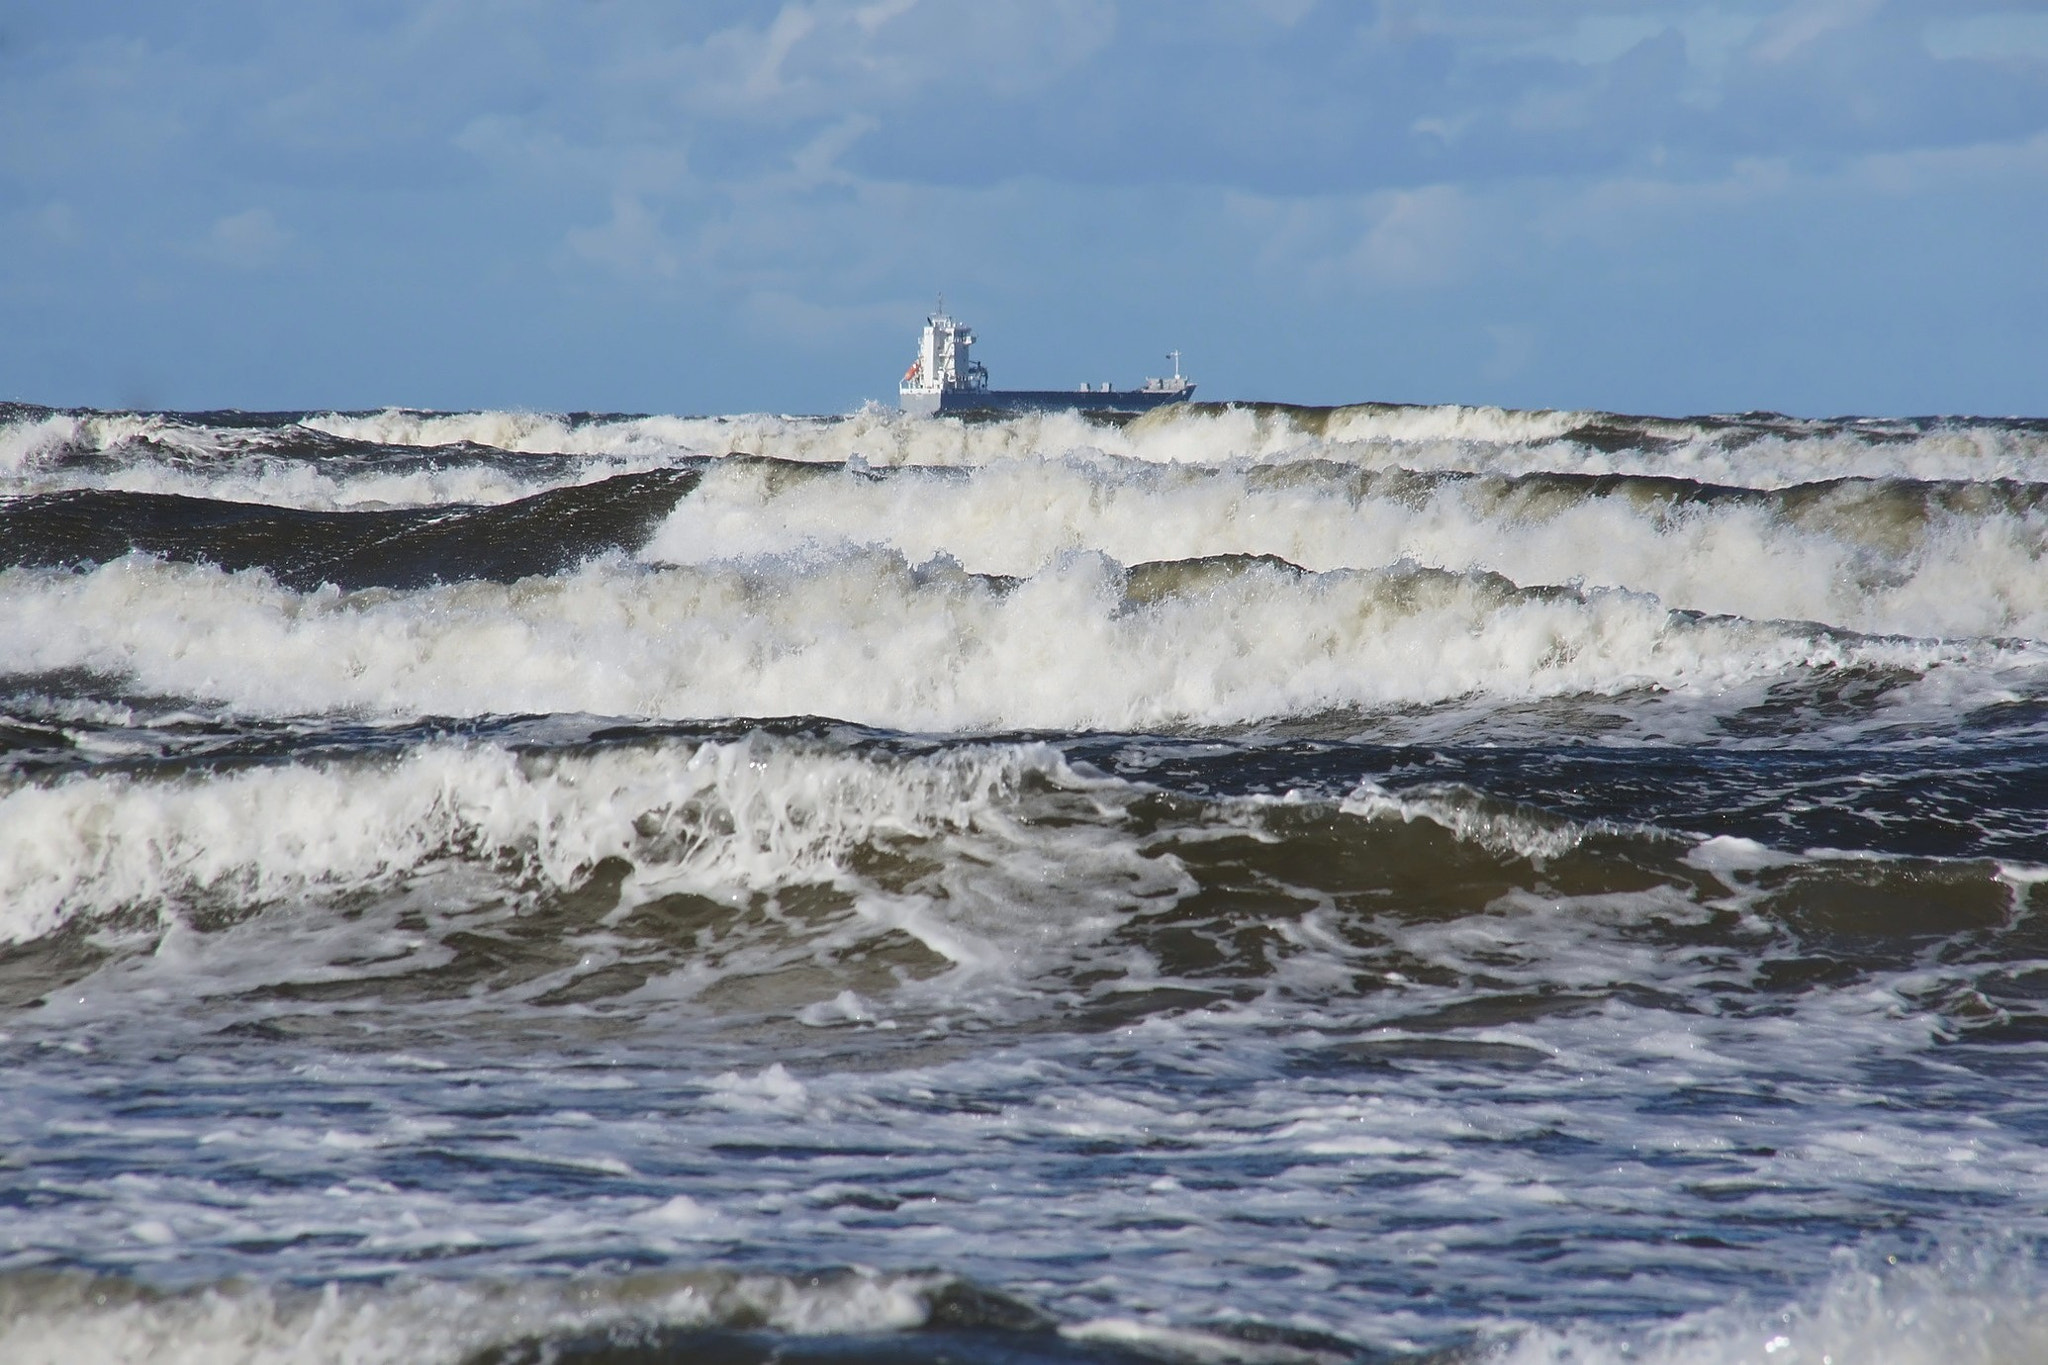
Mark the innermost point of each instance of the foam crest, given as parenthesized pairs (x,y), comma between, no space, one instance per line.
(1888,557)
(523,433)
(1452,422)
(1756,452)
(1957,1310)
(58,1320)
(1881,558)
(1471,818)
(718,819)
(1272,428)
(317,486)
(262,467)
(871,639)
(28,442)
(1202,434)
(875,436)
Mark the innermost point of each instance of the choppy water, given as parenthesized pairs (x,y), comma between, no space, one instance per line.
(1249,884)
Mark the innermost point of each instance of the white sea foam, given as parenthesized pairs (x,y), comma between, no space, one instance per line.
(28,444)
(1481,439)
(60,1320)
(1224,1123)
(1289,1084)
(1466,815)
(1259,1149)
(1192,1346)
(1773,454)
(241,465)
(868,638)
(1962,1309)
(1860,568)
(874,435)
(25,444)
(1866,558)
(1487,440)
(325,487)
(720,819)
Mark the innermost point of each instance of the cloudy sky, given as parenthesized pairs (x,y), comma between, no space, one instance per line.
(1815,206)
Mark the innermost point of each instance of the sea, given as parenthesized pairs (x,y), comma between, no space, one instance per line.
(1250,883)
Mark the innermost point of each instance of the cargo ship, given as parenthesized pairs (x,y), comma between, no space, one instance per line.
(946,378)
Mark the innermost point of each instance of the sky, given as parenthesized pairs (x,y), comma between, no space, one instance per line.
(702,206)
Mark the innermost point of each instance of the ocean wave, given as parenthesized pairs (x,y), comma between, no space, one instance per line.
(280,463)
(1757,450)
(1254,883)
(1753,450)
(408,548)
(33,438)
(1888,556)
(1962,1307)
(869,638)
(1883,556)
(1472,818)
(839,881)
(721,819)
(1959,1308)
(1760,450)
(59,1319)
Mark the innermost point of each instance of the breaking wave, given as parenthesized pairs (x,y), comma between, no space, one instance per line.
(1760,450)
(864,636)
(1885,556)
(711,818)
(53,1319)
(1248,883)
(1958,1309)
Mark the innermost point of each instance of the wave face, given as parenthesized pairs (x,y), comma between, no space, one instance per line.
(1248,883)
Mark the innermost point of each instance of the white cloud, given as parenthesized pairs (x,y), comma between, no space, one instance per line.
(632,243)
(830,57)
(1514,348)
(1286,13)
(1418,238)
(872,17)
(1617,211)
(772,169)
(1591,39)
(1948,170)
(1445,130)
(1402,240)
(2005,36)
(250,240)
(805,323)
(57,222)
(817,161)
(791,26)
(1807,21)
(1552,111)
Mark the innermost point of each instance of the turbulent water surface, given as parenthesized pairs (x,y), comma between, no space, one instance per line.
(1250,884)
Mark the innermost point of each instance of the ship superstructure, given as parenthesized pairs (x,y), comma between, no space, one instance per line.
(946,378)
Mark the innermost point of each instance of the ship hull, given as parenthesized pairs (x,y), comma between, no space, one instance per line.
(1040,400)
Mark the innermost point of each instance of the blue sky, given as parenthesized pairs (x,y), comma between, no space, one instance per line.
(1816,206)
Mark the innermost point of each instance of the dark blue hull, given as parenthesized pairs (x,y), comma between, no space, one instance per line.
(1057,400)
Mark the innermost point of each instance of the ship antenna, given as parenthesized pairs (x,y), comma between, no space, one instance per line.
(942,305)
